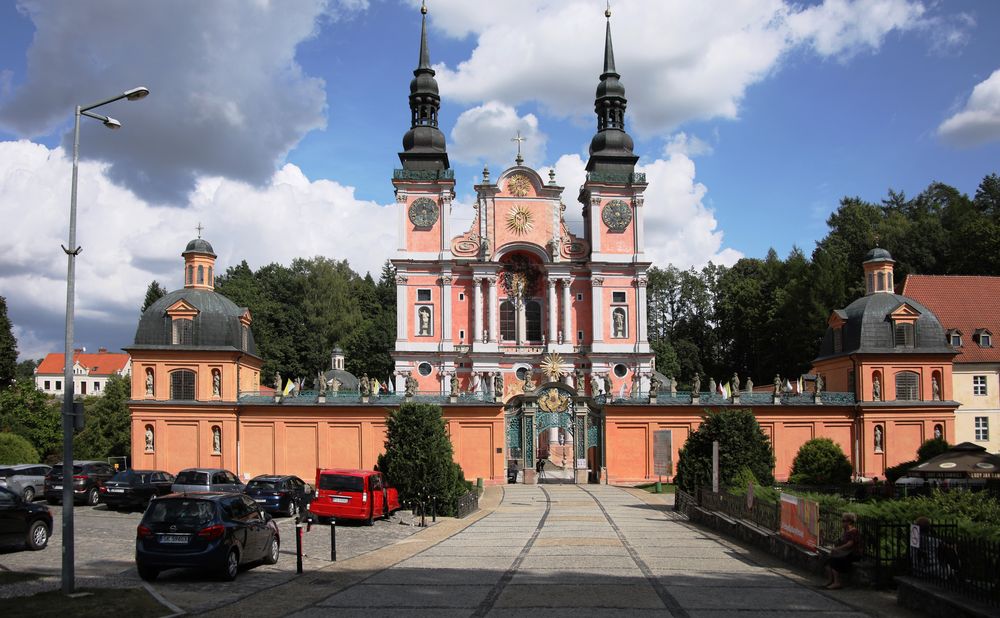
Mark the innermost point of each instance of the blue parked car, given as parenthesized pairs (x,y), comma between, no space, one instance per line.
(217,532)
(280,494)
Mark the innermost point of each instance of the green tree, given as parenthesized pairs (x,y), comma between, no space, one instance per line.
(932,448)
(108,423)
(26,369)
(33,415)
(418,458)
(8,349)
(16,450)
(820,461)
(743,446)
(154,292)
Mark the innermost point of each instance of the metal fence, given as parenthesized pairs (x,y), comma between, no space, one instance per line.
(468,504)
(954,560)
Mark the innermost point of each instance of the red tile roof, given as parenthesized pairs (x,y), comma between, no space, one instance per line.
(962,302)
(102,363)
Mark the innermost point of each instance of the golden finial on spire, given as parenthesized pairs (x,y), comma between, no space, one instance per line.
(199,228)
(423,7)
(607,11)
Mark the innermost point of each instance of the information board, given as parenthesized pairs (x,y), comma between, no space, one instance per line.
(663,464)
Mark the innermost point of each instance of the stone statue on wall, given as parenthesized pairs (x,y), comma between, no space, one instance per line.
(734,384)
(607,383)
(935,389)
(712,386)
(364,385)
(149,439)
(216,440)
(878,438)
(619,318)
(876,389)
(820,383)
(149,382)
(454,385)
(749,384)
(777,385)
(321,383)
(596,385)
(696,384)
(477,382)
(335,386)
(578,381)
(425,321)
(216,383)
(277,383)
(529,384)
(654,385)
(498,384)
(673,385)
(410,385)
(938,434)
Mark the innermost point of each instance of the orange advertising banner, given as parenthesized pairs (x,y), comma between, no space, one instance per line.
(800,521)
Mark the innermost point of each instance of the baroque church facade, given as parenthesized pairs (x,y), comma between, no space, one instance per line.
(531,338)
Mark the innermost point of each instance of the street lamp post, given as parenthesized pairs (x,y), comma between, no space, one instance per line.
(68,387)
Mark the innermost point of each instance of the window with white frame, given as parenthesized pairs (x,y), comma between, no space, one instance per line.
(955,339)
(978,385)
(508,321)
(618,297)
(907,386)
(982,428)
(182,331)
(904,335)
(58,385)
(47,387)
(423,295)
(985,340)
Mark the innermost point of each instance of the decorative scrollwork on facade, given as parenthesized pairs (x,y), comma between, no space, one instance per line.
(597,281)
(466,246)
(641,282)
(401,197)
(446,279)
(401,279)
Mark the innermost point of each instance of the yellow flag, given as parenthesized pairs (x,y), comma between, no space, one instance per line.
(288,387)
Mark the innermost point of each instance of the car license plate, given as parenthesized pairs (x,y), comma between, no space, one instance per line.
(340,500)
(116,490)
(57,487)
(174,538)
(260,499)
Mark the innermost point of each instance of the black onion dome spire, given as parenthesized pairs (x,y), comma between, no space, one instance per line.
(424,144)
(611,147)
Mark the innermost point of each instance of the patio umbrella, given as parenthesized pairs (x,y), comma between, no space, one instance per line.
(965,460)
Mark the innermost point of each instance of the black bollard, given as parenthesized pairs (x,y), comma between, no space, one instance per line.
(434,510)
(333,539)
(423,515)
(298,547)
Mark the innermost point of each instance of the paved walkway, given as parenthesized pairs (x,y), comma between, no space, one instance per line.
(576,550)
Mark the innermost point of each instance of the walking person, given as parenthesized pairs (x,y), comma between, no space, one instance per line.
(848,550)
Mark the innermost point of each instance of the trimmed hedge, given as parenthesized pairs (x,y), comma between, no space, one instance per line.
(16,450)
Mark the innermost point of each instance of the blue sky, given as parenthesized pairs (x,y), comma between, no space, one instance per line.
(278,130)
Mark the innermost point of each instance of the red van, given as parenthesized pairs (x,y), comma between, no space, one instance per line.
(353,494)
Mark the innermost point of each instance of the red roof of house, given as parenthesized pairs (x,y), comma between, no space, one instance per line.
(102,363)
(965,303)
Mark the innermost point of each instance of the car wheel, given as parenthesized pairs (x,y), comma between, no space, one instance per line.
(272,551)
(232,565)
(92,496)
(293,508)
(147,573)
(38,536)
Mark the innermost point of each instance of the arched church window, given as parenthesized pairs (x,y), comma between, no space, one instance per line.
(182,385)
(183,330)
(881,281)
(533,320)
(907,386)
(211,276)
(190,275)
(201,274)
(508,321)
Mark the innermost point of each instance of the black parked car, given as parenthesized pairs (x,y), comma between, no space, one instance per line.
(135,488)
(23,522)
(206,530)
(280,494)
(88,477)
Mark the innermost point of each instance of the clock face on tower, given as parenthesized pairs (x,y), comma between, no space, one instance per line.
(616,215)
(423,212)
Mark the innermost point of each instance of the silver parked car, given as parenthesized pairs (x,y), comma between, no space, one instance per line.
(25,480)
(206,479)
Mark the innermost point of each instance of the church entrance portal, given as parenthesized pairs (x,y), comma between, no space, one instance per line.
(555,436)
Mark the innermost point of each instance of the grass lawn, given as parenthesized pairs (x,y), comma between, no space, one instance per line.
(667,488)
(132,602)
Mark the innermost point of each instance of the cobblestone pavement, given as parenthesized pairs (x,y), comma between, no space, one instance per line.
(105,557)
(583,551)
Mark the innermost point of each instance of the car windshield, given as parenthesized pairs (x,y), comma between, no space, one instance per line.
(5,472)
(184,512)
(263,485)
(58,469)
(130,476)
(192,477)
(341,482)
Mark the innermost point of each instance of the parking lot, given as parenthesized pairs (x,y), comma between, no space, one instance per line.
(105,548)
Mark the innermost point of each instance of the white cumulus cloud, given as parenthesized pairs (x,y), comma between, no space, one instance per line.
(483,134)
(979,121)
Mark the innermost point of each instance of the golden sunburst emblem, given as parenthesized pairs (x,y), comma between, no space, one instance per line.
(518,185)
(519,220)
(553,366)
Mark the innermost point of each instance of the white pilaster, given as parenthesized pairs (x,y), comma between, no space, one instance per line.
(640,228)
(402,310)
(477,300)
(493,309)
(446,334)
(640,316)
(553,336)
(595,224)
(569,337)
(522,322)
(597,308)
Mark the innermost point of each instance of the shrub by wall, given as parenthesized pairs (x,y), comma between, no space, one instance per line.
(16,450)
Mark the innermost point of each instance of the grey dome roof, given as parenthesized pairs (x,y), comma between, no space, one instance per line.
(869,329)
(199,245)
(217,324)
(878,254)
(348,382)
